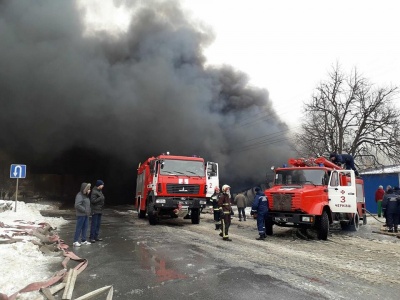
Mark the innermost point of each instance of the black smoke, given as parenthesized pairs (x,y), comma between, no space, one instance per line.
(94,106)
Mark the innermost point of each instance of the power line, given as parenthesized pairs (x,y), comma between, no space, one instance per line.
(258,142)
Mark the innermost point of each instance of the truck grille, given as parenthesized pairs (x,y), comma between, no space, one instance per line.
(282,202)
(183,188)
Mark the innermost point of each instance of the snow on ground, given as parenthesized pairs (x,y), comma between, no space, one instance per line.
(22,263)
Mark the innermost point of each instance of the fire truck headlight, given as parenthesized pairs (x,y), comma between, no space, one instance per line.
(309,219)
(160,200)
(203,201)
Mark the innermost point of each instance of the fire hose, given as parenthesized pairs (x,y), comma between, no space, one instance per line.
(40,230)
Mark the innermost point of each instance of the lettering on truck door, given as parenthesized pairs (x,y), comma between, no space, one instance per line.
(212,178)
(342,192)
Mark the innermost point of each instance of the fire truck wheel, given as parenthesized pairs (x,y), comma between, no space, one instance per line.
(323,227)
(195,216)
(268,226)
(355,222)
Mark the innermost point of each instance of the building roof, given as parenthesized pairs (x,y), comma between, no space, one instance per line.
(382,170)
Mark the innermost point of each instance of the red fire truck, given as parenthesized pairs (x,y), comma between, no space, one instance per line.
(315,193)
(170,186)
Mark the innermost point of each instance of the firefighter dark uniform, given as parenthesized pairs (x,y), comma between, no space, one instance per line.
(224,203)
(345,159)
(217,214)
(391,205)
(260,207)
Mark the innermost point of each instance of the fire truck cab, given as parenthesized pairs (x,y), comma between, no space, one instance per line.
(168,186)
(315,193)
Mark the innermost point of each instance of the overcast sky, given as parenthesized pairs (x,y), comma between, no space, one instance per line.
(289,46)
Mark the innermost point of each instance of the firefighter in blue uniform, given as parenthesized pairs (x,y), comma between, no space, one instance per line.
(390,205)
(345,159)
(260,207)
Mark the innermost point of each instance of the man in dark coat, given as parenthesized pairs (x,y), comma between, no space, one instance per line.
(391,206)
(241,203)
(346,159)
(260,207)
(97,204)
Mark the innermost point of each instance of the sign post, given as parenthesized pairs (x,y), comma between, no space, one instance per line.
(17,171)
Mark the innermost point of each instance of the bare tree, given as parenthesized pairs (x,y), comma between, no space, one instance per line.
(347,114)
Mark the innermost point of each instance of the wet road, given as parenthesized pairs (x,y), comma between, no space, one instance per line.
(173,260)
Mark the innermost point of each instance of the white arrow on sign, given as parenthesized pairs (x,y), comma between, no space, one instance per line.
(15,170)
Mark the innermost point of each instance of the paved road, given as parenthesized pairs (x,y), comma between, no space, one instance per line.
(172,261)
(177,260)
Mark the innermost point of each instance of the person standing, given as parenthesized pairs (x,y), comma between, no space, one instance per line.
(380,192)
(82,209)
(389,187)
(241,203)
(217,214)
(224,204)
(260,207)
(97,204)
(390,205)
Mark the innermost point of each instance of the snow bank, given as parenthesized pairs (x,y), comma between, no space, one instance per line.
(22,263)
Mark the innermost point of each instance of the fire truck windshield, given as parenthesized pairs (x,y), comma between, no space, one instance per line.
(301,176)
(182,167)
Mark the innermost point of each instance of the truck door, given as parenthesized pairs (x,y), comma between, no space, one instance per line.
(154,167)
(342,191)
(212,178)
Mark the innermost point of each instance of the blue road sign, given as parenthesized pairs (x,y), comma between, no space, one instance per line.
(18,171)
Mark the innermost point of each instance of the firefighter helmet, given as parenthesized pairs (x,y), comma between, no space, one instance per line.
(225,187)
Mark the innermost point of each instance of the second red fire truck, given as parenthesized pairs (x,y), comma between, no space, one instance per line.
(171,186)
(315,193)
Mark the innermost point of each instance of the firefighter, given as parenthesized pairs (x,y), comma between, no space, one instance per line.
(391,205)
(260,208)
(345,159)
(224,204)
(216,211)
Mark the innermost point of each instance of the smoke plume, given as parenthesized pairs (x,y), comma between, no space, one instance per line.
(97,105)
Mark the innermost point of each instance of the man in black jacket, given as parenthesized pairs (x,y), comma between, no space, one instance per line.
(96,203)
(346,159)
(391,206)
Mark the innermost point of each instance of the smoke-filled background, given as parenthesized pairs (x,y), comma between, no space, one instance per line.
(92,106)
